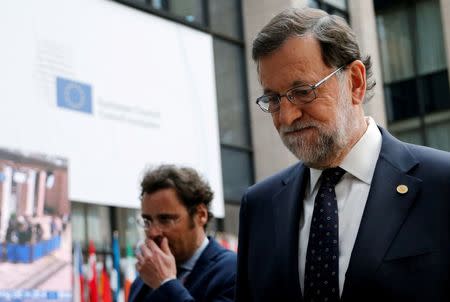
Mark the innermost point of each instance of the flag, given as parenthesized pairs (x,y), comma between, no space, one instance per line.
(100,281)
(74,95)
(115,273)
(130,274)
(78,278)
(92,275)
(105,286)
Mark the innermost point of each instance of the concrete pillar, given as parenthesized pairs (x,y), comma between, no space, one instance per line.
(362,18)
(41,193)
(445,13)
(31,189)
(270,154)
(5,204)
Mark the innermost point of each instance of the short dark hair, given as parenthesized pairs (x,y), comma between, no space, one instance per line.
(337,40)
(191,189)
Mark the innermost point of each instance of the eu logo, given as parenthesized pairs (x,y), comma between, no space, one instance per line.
(74,95)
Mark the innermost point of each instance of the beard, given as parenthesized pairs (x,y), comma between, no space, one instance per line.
(317,149)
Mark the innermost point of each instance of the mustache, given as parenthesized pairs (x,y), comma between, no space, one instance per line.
(297,126)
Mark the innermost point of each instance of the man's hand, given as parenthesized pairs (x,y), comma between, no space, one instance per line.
(155,264)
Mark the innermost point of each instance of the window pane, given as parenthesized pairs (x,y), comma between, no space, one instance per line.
(232,221)
(411,40)
(430,40)
(313,3)
(129,231)
(225,17)
(231,94)
(395,42)
(341,4)
(237,173)
(78,223)
(99,226)
(437,92)
(438,134)
(191,10)
(401,100)
(158,4)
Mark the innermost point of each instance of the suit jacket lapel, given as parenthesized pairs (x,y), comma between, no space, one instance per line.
(385,211)
(203,262)
(139,290)
(287,210)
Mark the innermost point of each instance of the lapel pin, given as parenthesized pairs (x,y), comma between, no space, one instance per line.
(402,189)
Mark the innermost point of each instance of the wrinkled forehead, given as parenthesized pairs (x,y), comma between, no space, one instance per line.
(298,59)
(160,201)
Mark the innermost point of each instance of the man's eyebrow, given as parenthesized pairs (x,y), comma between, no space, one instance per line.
(298,83)
(268,91)
(159,215)
(293,84)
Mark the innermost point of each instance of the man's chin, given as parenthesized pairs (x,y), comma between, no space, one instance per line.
(309,153)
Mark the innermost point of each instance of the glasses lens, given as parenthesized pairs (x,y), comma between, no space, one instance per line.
(268,103)
(142,222)
(301,94)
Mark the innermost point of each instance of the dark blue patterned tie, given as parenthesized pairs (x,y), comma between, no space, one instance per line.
(322,255)
(182,274)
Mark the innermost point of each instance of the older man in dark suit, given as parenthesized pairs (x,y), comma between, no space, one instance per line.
(362,216)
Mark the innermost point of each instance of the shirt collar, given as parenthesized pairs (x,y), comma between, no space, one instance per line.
(362,158)
(189,264)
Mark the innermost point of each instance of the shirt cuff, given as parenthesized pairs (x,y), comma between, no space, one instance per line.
(167,279)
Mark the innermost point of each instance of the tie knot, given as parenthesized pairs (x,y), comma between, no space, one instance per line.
(332,175)
(181,272)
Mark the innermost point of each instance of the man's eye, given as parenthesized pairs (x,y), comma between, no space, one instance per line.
(301,92)
(272,99)
(165,220)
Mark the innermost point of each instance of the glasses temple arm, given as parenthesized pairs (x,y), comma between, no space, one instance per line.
(327,77)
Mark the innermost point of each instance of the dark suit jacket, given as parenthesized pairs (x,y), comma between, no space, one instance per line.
(212,279)
(401,251)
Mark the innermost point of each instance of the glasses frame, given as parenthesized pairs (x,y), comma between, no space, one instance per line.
(290,98)
(147,223)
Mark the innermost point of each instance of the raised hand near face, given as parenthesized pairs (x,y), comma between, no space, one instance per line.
(155,264)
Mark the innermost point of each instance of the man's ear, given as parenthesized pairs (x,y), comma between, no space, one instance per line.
(202,214)
(358,81)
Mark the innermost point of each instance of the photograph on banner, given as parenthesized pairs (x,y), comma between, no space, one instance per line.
(35,230)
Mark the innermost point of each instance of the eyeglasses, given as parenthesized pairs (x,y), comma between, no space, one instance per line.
(162,222)
(302,94)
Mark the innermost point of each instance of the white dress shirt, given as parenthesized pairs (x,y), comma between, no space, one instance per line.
(351,193)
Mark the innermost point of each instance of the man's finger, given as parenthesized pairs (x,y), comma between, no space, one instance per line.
(140,258)
(154,248)
(145,251)
(165,246)
(138,266)
(137,250)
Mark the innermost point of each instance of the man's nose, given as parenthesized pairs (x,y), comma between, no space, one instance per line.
(153,231)
(288,112)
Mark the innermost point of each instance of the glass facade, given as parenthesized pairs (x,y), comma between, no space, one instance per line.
(334,7)
(225,18)
(415,72)
(192,11)
(231,91)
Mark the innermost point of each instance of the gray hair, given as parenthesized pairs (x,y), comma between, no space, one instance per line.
(337,40)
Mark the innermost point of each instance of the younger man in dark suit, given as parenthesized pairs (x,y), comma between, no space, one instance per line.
(178,262)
